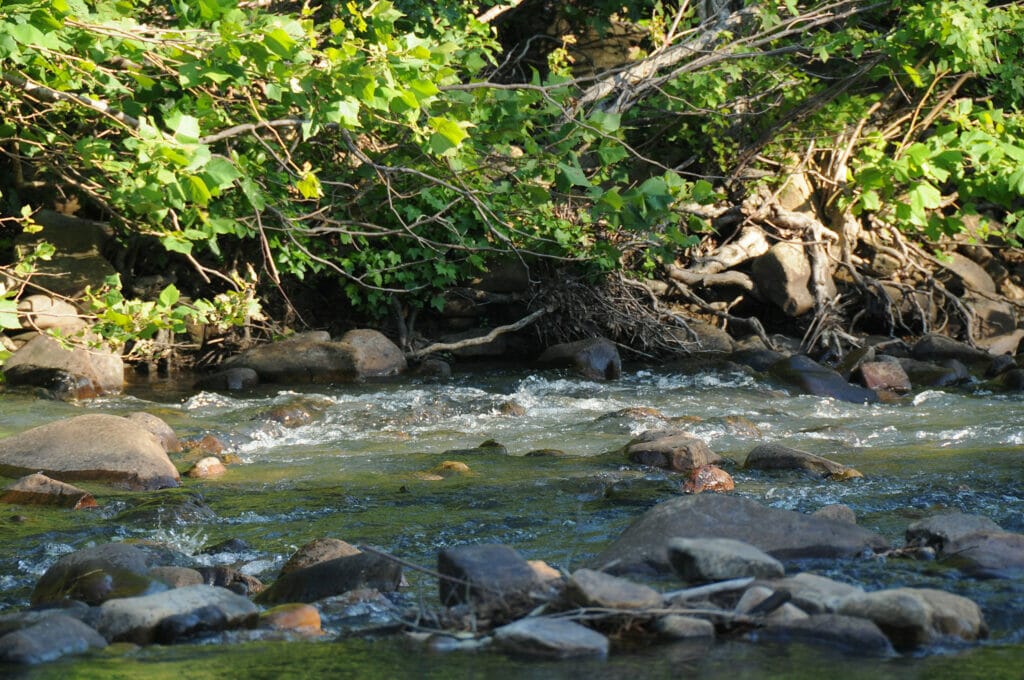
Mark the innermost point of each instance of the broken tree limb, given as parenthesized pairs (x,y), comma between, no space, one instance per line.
(482,340)
(751,242)
(729,278)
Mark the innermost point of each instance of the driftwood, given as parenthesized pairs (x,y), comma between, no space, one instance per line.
(751,242)
(482,340)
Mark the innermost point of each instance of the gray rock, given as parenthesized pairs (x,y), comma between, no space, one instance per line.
(190,609)
(94,575)
(779,457)
(490,576)
(593,358)
(755,602)
(334,577)
(912,617)
(229,380)
(935,347)
(316,551)
(177,577)
(929,374)
(680,452)
(809,376)
(987,554)
(836,512)
(720,559)
(589,588)
(374,354)
(94,446)
(783,534)
(815,594)
(551,637)
(848,634)
(783,276)
(44,312)
(676,627)
(938,530)
(52,637)
(42,361)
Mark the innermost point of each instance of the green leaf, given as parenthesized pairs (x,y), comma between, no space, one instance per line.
(451,130)
(176,244)
(871,201)
(9,314)
(279,42)
(925,196)
(168,296)
(197,190)
(572,176)
(220,172)
(309,185)
(344,112)
(184,127)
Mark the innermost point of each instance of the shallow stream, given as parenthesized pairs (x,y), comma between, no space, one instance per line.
(361,471)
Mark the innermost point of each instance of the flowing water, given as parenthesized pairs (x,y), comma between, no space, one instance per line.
(361,471)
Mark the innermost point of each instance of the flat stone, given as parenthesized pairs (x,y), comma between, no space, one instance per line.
(681,453)
(884,375)
(938,530)
(181,612)
(316,551)
(334,577)
(95,446)
(38,489)
(51,638)
(845,633)
(912,617)
(589,588)
(551,637)
(783,534)
(779,457)
(815,594)
(720,559)
(987,554)
(677,627)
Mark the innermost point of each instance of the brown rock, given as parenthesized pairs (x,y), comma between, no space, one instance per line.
(681,453)
(374,354)
(297,617)
(778,457)
(316,551)
(593,358)
(177,577)
(334,577)
(159,427)
(884,375)
(79,373)
(38,489)
(450,468)
(911,617)
(708,478)
(210,466)
(589,588)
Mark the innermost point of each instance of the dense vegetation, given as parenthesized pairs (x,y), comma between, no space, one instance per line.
(392,149)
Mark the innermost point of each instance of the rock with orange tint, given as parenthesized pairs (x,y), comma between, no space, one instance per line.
(450,467)
(38,489)
(708,478)
(209,444)
(207,467)
(296,617)
(545,572)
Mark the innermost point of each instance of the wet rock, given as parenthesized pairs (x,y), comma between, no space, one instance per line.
(854,359)
(433,369)
(939,530)
(1013,380)
(545,453)
(758,358)
(228,545)
(810,377)
(288,415)
(845,633)
(316,551)
(884,375)
(231,579)
(681,453)
(928,374)
(49,639)
(677,627)
(551,637)
(934,347)
(719,559)
(43,312)
(778,457)
(334,577)
(94,446)
(38,489)
(783,276)
(174,614)
(160,429)
(450,468)
(207,444)
(987,554)
(589,588)
(207,467)
(836,512)
(593,358)
(770,605)
(296,617)
(912,617)
(375,355)
(815,594)
(177,577)
(94,575)
(1001,363)
(512,408)
(228,380)
(783,534)
(708,478)
(44,362)
(489,447)
(489,576)
(169,509)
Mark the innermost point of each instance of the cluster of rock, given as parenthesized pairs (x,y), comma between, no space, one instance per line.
(728,553)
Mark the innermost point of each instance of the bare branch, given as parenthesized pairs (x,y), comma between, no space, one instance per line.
(483,339)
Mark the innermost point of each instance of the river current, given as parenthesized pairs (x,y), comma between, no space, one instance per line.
(364,469)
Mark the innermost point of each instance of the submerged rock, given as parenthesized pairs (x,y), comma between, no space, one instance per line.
(912,617)
(812,378)
(54,636)
(551,637)
(95,446)
(229,380)
(38,489)
(778,457)
(593,358)
(174,614)
(720,559)
(783,534)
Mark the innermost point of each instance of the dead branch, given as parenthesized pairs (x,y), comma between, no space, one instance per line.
(483,339)
(751,242)
(496,11)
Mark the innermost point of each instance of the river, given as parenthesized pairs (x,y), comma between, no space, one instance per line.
(363,471)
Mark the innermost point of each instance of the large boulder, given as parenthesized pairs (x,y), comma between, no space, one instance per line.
(778,457)
(812,378)
(783,534)
(174,614)
(77,373)
(95,446)
(593,358)
(316,551)
(314,358)
(783,276)
(912,617)
(987,554)
(94,575)
(720,559)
